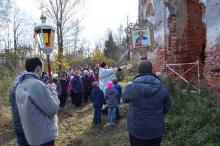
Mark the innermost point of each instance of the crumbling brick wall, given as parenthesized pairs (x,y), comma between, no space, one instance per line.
(193,34)
(187,34)
(212,63)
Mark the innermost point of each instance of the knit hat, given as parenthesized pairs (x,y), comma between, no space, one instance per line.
(55,76)
(109,84)
(86,72)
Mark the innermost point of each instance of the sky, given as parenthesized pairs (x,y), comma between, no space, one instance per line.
(98,15)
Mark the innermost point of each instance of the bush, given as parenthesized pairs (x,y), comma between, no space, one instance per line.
(77,62)
(194,120)
(6,78)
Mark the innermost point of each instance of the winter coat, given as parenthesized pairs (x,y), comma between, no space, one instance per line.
(149,100)
(86,82)
(97,97)
(111,95)
(58,88)
(14,108)
(91,80)
(64,85)
(77,84)
(119,89)
(37,105)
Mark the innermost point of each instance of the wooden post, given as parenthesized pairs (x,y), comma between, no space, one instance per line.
(49,70)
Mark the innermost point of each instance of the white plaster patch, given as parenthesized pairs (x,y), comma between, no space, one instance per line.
(159,37)
(213,34)
(203,1)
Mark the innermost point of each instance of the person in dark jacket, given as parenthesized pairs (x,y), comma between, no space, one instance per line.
(149,101)
(91,80)
(117,86)
(97,97)
(64,89)
(77,89)
(111,95)
(44,77)
(96,72)
(57,82)
(86,83)
(21,140)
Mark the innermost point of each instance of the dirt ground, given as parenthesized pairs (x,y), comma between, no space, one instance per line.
(75,129)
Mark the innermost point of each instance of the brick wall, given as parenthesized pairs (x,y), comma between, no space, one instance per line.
(193,34)
(212,63)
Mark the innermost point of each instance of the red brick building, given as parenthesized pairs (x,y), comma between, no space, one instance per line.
(186,31)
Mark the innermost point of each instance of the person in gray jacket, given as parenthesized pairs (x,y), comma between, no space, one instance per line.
(111,97)
(37,106)
(149,101)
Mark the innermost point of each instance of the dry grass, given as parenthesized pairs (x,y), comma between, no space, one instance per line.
(76,129)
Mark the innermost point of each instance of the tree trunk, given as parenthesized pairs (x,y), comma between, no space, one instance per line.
(60,47)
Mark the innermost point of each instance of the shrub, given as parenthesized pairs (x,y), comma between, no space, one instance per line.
(194,119)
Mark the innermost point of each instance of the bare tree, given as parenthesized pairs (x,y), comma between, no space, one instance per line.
(62,13)
(18,27)
(5,6)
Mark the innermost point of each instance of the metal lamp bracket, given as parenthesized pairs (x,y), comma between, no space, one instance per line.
(47,51)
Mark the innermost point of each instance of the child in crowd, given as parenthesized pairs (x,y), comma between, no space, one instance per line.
(111,95)
(118,87)
(97,97)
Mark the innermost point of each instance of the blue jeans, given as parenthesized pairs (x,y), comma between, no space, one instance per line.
(111,114)
(21,137)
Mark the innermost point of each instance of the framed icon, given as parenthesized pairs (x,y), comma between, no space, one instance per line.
(142,37)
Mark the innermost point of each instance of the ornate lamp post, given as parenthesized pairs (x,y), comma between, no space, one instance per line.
(44,36)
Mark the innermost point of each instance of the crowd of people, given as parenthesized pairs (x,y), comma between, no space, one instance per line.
(35,101)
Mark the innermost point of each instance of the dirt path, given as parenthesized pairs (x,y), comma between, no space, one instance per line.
(76,129)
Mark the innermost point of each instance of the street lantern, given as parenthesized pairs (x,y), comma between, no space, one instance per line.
(44,37)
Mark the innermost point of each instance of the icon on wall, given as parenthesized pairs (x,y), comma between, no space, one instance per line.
(142,37)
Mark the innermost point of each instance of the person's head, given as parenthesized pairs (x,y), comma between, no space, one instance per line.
(145,66)
(141,33)
(62,74)
(91,72)
(115,81)
(143,58)
(103,65)
(55,77)
(85,72)
(34,64)
(72,72)
(97,66)
(109,84)
(44,73)
(77,72)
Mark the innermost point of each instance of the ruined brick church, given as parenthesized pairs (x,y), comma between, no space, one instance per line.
(186,31)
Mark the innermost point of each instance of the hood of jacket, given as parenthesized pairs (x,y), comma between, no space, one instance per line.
(21,77)
(15,114)
(147,85)
(110,91)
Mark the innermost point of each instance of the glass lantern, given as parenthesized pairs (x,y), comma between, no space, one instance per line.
(44,36)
